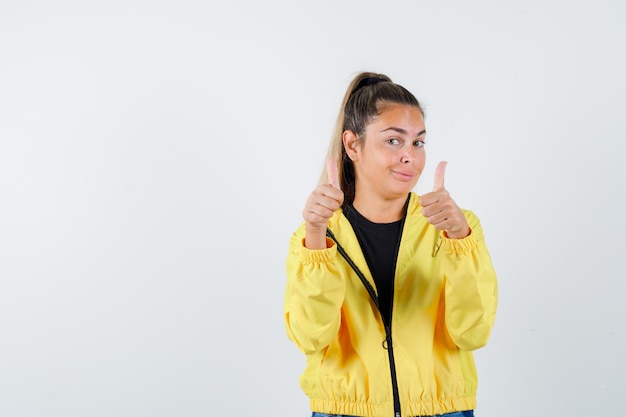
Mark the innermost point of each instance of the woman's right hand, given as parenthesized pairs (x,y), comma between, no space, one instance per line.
(320,206)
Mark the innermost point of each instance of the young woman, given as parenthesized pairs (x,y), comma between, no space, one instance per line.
(388,293)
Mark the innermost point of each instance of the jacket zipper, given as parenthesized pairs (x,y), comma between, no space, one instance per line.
(394,378)
(392,362)
(388,342)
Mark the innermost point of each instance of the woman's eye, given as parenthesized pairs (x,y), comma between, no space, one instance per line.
(393,141)
(419,143)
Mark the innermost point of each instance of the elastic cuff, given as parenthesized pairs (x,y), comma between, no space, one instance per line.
(318,255)
(460,246)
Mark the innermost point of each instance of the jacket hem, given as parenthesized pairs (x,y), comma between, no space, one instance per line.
(411,409)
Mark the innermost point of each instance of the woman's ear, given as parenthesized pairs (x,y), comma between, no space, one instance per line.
(351,144)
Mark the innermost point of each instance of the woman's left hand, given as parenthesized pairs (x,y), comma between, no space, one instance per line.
(441,210)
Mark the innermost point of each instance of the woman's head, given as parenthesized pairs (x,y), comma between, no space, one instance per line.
(367,96)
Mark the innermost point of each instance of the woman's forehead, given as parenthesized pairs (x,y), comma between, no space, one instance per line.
(402,118)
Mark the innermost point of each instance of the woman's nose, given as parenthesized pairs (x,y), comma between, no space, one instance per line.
(407,155)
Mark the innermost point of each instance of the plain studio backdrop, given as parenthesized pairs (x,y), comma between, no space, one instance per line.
(155,157)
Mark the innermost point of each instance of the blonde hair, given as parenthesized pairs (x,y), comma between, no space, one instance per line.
(360,105)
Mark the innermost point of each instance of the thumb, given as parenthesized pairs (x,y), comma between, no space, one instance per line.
(332,171)
(440,172)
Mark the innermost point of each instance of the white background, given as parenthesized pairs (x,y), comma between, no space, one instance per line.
(155,157)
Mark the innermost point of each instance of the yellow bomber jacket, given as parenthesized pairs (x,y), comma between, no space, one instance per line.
(444,306)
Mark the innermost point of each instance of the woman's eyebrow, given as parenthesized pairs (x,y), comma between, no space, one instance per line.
(402,131)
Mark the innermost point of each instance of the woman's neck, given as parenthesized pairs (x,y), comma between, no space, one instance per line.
(379,210)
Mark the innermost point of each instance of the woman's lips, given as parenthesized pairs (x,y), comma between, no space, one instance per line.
(404,175)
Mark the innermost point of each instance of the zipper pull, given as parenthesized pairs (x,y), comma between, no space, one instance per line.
(387,340)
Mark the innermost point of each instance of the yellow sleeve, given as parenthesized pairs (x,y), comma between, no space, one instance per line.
(313,296)
(471,289)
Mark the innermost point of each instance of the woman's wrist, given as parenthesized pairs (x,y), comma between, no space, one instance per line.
(315,237)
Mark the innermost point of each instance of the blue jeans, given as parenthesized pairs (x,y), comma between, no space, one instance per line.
(469,413)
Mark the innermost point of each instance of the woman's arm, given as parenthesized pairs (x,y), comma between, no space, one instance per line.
(313,296)
(471,290)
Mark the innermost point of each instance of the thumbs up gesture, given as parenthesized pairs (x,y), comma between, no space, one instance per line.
(441,211)
(320,206)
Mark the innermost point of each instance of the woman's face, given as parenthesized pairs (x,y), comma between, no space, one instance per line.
(390,159)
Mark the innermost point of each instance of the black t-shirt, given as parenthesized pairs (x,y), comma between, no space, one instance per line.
(380,243)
